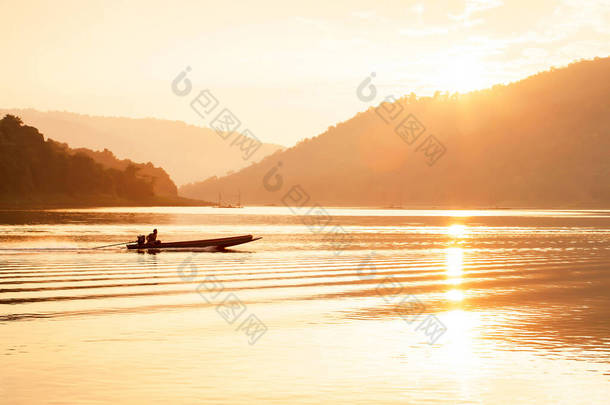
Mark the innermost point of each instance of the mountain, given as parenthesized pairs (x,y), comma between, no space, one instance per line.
(542,141)
(162,183)
(39,172)
(187,152)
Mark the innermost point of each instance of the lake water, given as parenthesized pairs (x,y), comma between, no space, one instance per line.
(362,306)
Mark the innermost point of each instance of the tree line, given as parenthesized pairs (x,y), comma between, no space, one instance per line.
(39,171)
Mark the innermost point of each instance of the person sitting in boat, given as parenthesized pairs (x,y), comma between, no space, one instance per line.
(151,239)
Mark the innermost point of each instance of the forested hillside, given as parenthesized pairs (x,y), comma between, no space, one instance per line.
(35,171)
(186,152)
(543,141)
(162,183)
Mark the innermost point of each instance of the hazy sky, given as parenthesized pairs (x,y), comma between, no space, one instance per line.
(287,69)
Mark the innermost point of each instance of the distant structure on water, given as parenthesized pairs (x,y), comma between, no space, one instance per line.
(229,205)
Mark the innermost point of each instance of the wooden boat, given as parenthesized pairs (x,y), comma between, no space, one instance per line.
(217,243)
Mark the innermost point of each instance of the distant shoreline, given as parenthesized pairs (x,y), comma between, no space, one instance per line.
(453,207)
(59,203)
(186,202)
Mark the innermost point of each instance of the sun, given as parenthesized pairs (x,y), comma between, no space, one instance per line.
(462,74)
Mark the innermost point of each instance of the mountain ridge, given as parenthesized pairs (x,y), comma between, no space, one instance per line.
(187,152)
(541,141)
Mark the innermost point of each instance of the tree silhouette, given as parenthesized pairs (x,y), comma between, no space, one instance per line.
(33,170)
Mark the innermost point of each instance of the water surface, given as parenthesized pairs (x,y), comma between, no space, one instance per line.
(381,306)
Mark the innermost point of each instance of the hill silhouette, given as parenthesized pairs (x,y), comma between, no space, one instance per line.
(162,183)
(188,153)
(543,141)
(39,172)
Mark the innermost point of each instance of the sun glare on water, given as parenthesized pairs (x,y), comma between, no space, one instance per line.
(454,272)
(454,295)
(456,231)
(455,257)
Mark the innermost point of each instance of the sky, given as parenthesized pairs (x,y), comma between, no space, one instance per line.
(287,70)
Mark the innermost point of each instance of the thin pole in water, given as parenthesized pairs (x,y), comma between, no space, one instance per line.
(116,244)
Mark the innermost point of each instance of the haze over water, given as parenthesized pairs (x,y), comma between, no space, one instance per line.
(523,295)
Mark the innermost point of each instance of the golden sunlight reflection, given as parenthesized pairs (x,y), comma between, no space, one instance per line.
(454,271)
(455,256)
(455,295)
(473,322)
(457,231)
(461,327)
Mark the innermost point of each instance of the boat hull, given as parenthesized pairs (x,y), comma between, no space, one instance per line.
(217,243)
